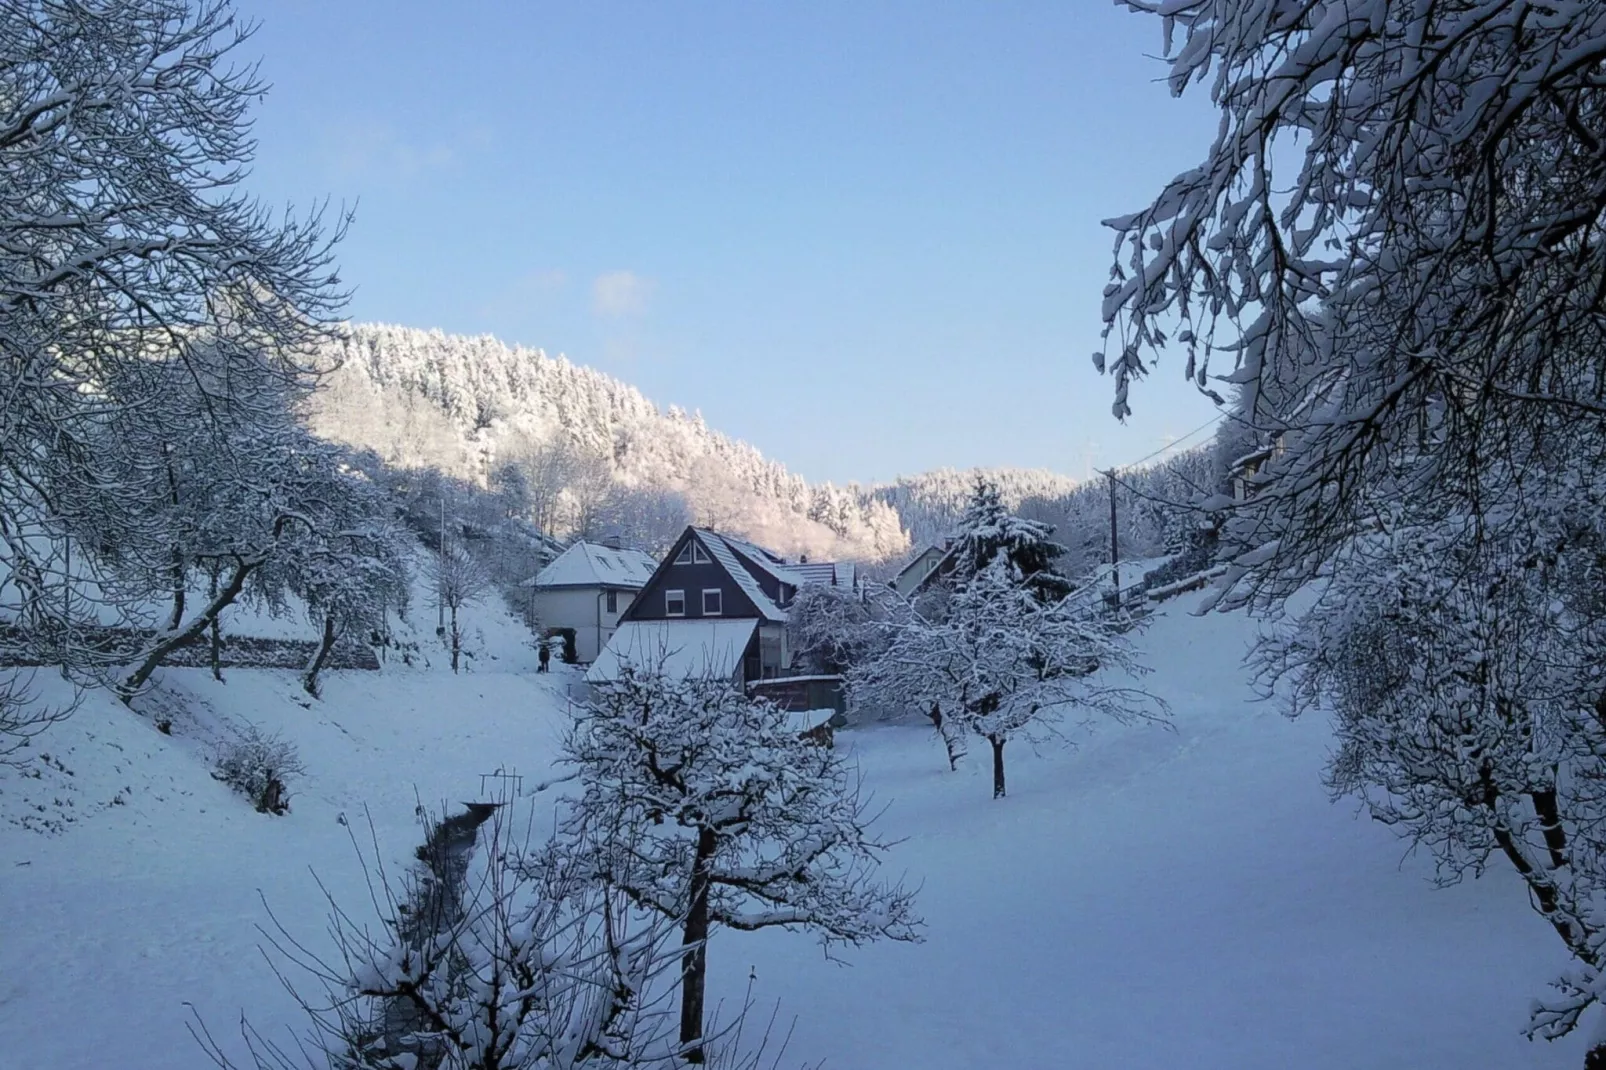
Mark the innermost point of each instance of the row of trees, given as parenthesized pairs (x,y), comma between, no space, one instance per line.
(1415,316)
(162,338)
(159,332)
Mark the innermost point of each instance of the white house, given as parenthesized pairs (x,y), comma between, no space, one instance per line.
(586,589)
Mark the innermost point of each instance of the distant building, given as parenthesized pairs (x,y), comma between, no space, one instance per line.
(925,565)
(587,589)
(716,606)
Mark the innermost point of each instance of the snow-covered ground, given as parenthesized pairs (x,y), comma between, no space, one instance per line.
(1151,899)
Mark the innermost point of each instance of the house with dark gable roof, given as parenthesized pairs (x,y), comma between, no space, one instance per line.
(717,606)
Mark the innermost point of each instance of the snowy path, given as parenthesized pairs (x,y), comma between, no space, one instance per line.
(1151,900)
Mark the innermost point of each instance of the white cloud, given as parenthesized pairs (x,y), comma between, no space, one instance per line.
(619,294)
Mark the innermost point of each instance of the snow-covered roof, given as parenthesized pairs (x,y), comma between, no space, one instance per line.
(589,564)
(722,551)
(824,573)
(766,561)
(676,648)
(924,564)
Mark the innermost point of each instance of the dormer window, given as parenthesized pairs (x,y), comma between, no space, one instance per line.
(698,554)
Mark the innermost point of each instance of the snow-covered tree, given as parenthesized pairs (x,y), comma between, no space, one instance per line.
(711,810)
(489,953)
(458,579)
(353,575)
(125,243)
(1002,664)
(987,532)
(1396,238)
(832,628)
(1465,675)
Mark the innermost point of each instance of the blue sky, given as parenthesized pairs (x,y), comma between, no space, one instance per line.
(862,236)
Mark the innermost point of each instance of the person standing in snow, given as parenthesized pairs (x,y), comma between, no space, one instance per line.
(545,654)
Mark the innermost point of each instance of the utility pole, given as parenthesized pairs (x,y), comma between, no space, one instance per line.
(440,574)
(1115,546)
(66,605)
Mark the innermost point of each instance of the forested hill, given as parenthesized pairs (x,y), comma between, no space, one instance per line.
(473,405)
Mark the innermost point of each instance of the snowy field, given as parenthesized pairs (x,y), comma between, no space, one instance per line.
(1148,900)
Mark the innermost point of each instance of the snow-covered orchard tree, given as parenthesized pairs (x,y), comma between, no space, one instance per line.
(711,810)
(832,628)
(124,237)
(1465,674)
(1396,237)
(491,952)
(458,579)
(1002,664)
(351,575)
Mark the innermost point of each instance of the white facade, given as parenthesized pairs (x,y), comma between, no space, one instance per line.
(586,589)
(584,609)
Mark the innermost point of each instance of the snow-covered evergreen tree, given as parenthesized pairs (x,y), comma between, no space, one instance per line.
(987,532)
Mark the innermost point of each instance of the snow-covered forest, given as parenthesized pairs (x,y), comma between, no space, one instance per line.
(266,604)
(595,453)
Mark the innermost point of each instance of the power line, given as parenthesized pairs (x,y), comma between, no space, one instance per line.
(1173,444)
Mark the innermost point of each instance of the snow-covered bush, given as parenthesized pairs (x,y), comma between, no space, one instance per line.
(259,765)
(492,952)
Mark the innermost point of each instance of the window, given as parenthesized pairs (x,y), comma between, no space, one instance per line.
(684,557)
(712,601)
(674,603)
(613,601)
(698,554)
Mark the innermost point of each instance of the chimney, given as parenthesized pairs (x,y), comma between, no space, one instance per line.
(611,541)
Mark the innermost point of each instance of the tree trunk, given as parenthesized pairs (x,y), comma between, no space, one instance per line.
(998,765)
(309,680)
(457,639)
(950,739)
(173,640)
(694,963)
(176,618)
(216,629)
(217,650)
(1595,1058)
(1550,826)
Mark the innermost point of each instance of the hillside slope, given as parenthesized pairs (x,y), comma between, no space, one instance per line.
(428,399)
(1150,900)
